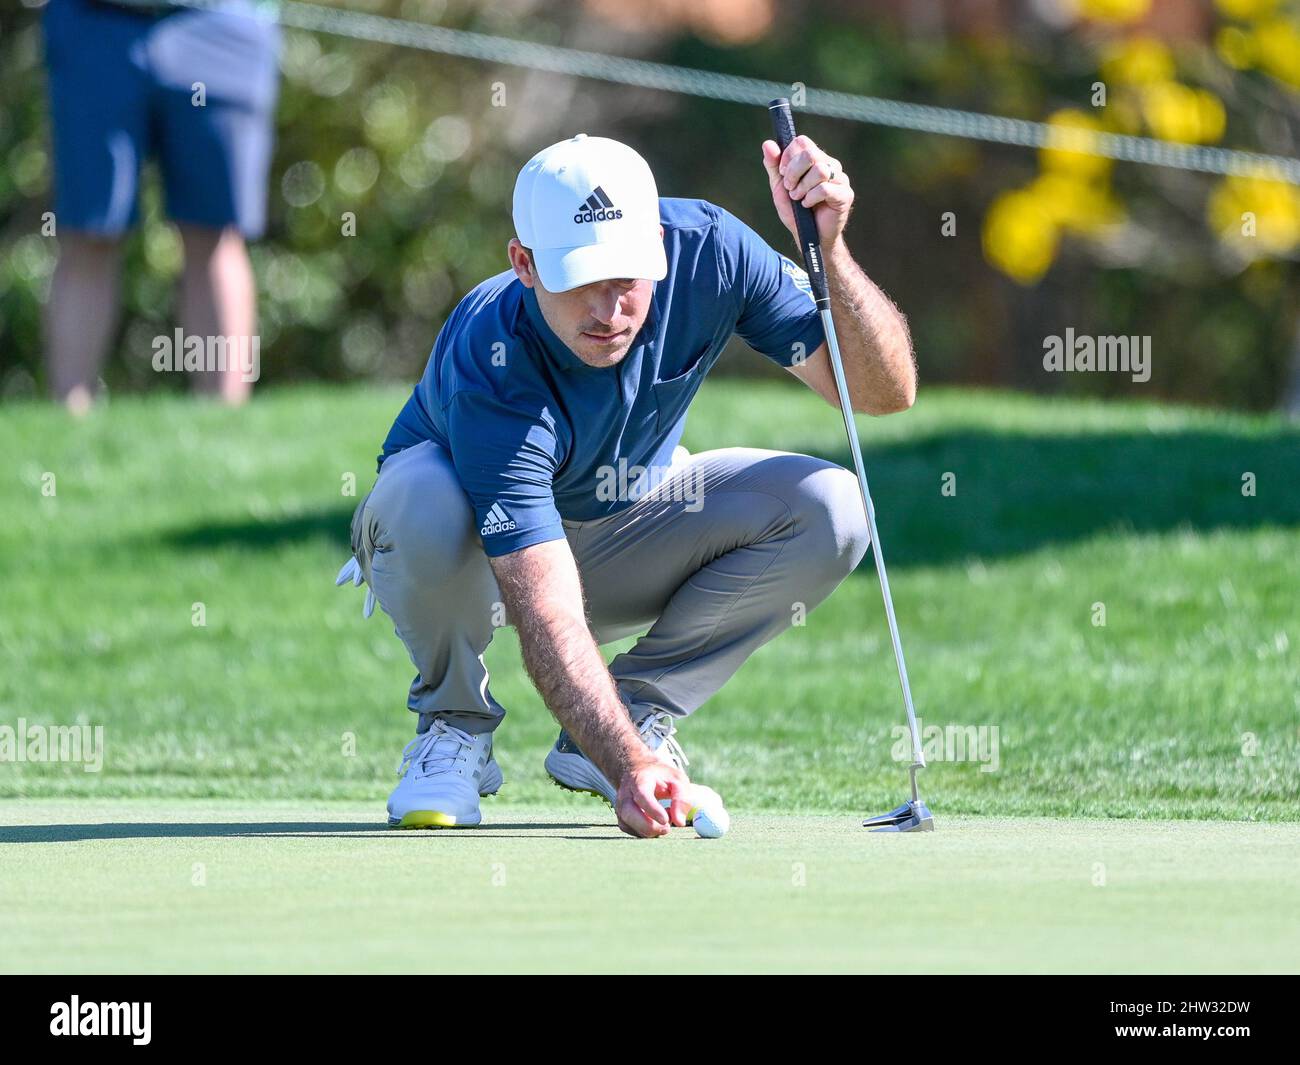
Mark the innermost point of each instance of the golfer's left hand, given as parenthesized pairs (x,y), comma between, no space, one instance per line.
(805,173)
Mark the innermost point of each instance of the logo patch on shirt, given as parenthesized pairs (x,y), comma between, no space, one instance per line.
(497,521)
(597,208)
(799,276)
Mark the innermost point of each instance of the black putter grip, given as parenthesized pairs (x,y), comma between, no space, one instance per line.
(809,241)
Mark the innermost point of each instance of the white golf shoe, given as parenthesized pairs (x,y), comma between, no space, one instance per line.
(572,769)
(444,771)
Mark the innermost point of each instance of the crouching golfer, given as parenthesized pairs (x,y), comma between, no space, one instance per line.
(535,476)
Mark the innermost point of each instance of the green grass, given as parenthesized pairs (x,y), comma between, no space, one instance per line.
(1184,705)
(236,822)
(224,886)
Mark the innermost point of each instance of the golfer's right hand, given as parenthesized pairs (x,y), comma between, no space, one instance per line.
(639,810)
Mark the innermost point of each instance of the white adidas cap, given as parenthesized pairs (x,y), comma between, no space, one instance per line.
(588,209)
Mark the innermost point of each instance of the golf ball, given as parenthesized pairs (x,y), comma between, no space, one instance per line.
(708,816)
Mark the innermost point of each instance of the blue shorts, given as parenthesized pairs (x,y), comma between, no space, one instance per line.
(122,89)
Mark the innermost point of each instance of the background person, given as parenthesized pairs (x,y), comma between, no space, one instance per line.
(197,90)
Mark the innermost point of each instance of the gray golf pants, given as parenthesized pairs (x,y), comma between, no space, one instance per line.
(722,556)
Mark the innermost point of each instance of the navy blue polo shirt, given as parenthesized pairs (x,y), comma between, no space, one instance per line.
(536,435)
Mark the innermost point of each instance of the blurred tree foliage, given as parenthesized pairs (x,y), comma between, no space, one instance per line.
(987,249)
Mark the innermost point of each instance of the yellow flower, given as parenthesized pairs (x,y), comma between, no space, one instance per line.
(1114,10)
(1073,137)
(1257,216)
(1137,61)
(1277,47)
(1081,206)
(1019,236)
(1177,113)
(1245,9)
(1213,117)
(1235,46)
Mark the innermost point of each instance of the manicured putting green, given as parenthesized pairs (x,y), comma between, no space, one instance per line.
(221,886)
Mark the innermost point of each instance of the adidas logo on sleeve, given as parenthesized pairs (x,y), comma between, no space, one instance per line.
(497,521)
(597,208)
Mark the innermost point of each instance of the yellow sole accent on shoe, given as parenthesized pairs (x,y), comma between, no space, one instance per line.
(427,819)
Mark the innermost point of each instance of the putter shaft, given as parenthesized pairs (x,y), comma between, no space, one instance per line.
(810,244)
(846,409)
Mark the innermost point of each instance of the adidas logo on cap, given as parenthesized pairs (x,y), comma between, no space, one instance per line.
(496,521)
(597,208)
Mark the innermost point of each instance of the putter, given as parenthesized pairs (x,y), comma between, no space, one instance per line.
(913,815)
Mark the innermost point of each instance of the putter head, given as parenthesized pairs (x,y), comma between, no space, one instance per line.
(912,816)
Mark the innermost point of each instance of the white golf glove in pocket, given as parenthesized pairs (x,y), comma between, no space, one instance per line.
(351,571)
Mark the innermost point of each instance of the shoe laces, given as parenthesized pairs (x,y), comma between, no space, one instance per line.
(437,750)
(661,726)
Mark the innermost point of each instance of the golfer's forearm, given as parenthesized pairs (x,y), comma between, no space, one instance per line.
(874,339)
(566,665)
(543,598)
